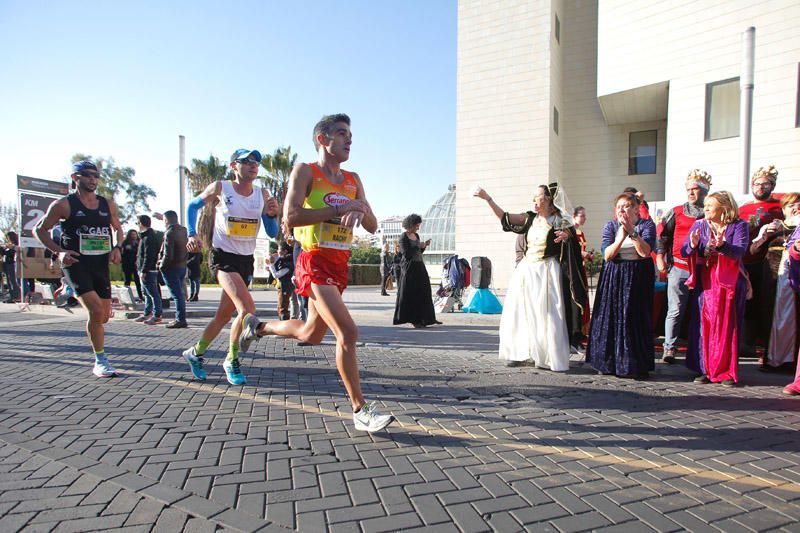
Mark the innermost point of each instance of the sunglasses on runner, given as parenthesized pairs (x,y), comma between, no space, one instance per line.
(247,161)
(85,174)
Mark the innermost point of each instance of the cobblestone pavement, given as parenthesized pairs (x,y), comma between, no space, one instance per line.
(477,446)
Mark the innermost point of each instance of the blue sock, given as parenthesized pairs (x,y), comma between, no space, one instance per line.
(99,356)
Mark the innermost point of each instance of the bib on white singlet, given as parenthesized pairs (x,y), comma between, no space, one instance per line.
(243,228)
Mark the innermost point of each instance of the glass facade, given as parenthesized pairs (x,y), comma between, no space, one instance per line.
(439,225)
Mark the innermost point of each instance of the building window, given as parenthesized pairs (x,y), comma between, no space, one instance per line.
(722,109)
(642,152)
(555,119)
(558,30)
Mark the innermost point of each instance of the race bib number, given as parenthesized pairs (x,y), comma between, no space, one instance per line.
(242,227)
(335,236)
(94,244)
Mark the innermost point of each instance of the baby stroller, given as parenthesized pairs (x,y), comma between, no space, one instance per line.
(455,278)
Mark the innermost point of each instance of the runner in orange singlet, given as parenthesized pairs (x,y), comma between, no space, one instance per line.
(323,204)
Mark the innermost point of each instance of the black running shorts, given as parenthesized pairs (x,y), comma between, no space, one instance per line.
(222,261)
(89,274)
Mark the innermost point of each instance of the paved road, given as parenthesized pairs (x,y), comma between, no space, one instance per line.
(477,446)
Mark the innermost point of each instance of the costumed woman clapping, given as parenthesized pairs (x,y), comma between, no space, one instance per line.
(621,333)
(717,244)
(542,309)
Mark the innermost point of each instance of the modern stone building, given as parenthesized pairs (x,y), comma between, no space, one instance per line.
(389,230)
(603,95)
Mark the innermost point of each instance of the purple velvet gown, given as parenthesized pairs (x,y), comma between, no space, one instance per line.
(621,331)
(794,282)
(724,295)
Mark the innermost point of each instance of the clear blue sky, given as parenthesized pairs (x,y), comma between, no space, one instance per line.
(125,79)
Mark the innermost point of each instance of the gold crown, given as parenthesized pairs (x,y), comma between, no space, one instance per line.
(770,172)
(701,176)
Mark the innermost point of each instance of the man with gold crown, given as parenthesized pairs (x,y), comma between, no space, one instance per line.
(759,214)
(675,228)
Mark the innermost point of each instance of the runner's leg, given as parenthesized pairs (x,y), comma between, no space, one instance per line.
(194,354)
(223,315)
(236,289)
(99,311)
(328,304)
(312,330)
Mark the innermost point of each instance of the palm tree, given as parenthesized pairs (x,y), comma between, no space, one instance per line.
(279,167)
(200,176)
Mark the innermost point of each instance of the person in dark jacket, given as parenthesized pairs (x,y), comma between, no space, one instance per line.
(397,263)
(386,269)
(9,250)
(172,264)
(130,249)
(146,260)
(194,261)
(283,270)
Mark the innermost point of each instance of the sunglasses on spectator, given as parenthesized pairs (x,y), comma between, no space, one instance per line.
(762,185)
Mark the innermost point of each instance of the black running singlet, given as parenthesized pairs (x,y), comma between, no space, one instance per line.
(87,231)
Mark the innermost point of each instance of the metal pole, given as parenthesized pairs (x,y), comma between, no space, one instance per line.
(747,84)
(21,272)
(182,179)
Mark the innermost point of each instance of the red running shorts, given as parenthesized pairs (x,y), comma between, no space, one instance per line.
(321,268)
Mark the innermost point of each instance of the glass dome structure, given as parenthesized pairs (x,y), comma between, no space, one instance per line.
(439,225)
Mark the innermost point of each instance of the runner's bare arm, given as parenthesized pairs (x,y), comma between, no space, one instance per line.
(58,211)
(116,252)
(210,194)
(299,188)
(368,221)
(271,205)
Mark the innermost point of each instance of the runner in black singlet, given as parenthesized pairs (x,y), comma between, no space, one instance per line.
(87,223)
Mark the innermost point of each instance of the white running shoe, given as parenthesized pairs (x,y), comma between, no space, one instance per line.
(368,419)
(249,332)
(142,318)
(103,369)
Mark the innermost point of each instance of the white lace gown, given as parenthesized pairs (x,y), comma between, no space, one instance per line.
(783,336)
(532,326)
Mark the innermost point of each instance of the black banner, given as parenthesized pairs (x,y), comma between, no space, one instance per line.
(24,183)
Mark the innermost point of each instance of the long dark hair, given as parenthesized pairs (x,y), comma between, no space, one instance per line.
(128,237)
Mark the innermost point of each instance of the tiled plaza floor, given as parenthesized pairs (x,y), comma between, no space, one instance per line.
(477,446)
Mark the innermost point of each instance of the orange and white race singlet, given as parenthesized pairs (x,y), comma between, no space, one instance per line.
(328,235)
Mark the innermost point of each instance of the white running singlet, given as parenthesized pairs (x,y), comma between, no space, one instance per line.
(237,220)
